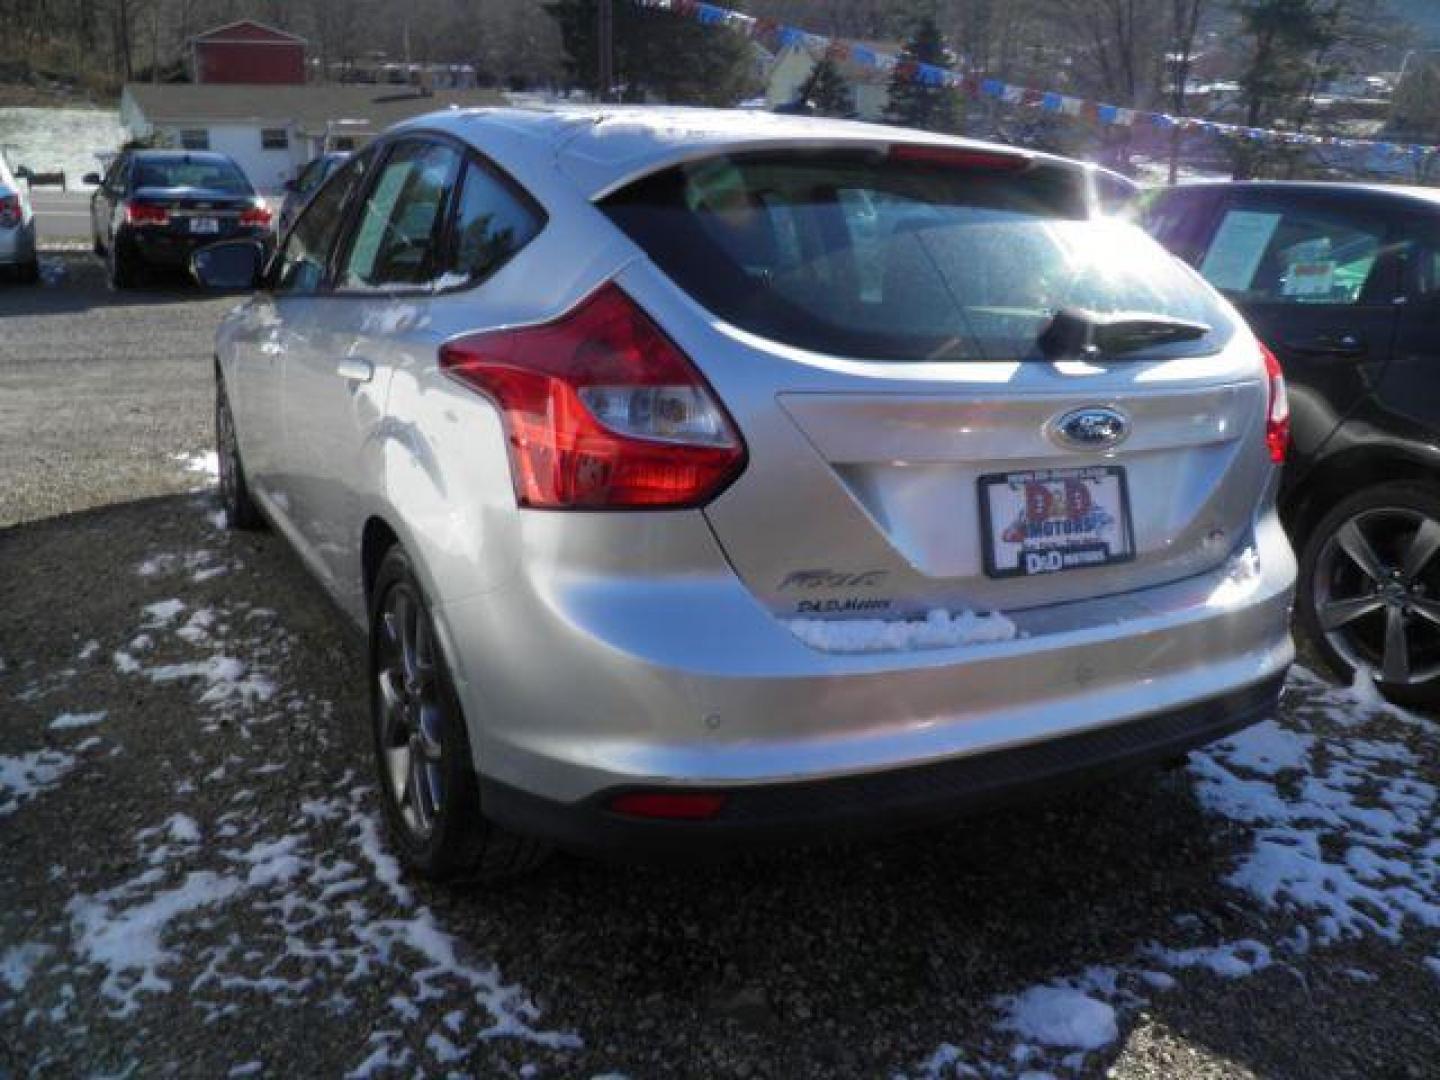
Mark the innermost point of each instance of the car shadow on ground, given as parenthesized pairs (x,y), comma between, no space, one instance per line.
(846,959)
(74,282)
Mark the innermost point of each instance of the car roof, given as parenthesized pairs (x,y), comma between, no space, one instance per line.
(603,147)
(1359,191)
(213,157)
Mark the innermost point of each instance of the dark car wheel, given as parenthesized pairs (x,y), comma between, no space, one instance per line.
(1369,590)
(240,510)
(123,264)
(422,751)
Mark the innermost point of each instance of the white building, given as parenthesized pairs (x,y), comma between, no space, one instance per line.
(870,87)
(272,131)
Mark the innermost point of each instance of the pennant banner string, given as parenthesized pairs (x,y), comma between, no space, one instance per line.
(771,33)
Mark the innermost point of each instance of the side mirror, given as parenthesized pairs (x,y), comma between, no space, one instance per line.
(292,185)
(229,266)
(23,172)
(92,178)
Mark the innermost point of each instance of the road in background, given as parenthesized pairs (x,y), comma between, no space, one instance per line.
(61,216)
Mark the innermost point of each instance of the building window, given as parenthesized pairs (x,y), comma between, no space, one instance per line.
(343,143)
(195,139)
(274,139)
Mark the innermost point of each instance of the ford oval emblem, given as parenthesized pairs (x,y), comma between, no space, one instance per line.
(1095,428)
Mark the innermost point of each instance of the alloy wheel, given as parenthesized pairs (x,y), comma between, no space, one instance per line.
(1376,591)
(410,711)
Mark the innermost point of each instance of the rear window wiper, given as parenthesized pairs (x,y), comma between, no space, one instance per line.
(1078,334)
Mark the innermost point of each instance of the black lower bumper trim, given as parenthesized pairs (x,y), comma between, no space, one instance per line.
(873,802)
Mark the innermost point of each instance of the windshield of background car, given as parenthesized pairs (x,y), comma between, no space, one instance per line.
(204,175)
(861,255)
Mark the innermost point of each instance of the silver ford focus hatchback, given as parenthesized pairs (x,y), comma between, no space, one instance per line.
(704,477)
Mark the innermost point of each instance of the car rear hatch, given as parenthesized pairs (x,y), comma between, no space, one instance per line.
(924,432)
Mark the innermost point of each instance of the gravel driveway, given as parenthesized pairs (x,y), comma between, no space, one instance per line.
(194,880)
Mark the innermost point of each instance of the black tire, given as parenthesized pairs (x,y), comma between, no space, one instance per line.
(29,273)
(1349,606)
(444,838)
(123,265)
(240,509)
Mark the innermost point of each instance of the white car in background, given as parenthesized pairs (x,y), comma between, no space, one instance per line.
(17,229)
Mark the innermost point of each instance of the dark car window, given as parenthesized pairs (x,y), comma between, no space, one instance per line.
(396,239)
(182,173)
(492,222)
(306,254)
(864,255)
(1273,253)
(115,176)
(310,177)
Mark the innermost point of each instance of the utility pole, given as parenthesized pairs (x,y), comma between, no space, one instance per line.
(605,18)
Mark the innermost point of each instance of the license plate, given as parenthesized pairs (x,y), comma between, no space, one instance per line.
(204,225)
(1050,520)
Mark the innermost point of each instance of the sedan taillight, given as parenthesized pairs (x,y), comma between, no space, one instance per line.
(1277,410)
(146,214)
(601,410)
(10,211)
(255,217)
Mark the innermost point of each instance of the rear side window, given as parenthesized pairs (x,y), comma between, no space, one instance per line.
(1296,255)
(861,255)
(492,223)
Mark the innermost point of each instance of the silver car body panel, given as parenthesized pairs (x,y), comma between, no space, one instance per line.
(17,242)
(597,649)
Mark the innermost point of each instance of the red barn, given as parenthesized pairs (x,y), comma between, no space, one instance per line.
(247,52)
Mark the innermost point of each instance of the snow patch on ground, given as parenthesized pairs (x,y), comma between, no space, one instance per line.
(163,612)
(938,630)
(1060,1016)
(70,721)
(19,962)
(26,775)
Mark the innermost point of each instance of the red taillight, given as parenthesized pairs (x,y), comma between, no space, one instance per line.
(255,217)
(958,157)
(669,805)
(146,214)
(10,212)
(1277,412)
(601,409)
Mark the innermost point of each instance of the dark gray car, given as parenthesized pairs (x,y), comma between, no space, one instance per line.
(306,182)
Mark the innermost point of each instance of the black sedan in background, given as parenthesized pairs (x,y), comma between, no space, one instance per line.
(1342,282)
(155,207)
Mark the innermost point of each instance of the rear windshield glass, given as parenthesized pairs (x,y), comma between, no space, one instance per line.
(859,255)
(206,175)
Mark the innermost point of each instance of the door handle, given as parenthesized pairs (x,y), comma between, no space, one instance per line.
(355,369)
(1339,345)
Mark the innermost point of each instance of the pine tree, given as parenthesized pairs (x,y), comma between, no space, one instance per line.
(657,54)
(826,92)
(912,103)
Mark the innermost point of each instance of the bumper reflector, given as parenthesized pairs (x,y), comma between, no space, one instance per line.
(669,805)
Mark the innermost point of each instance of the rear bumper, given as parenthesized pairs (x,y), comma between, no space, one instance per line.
(873,802)
(169,249)
(578,685)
